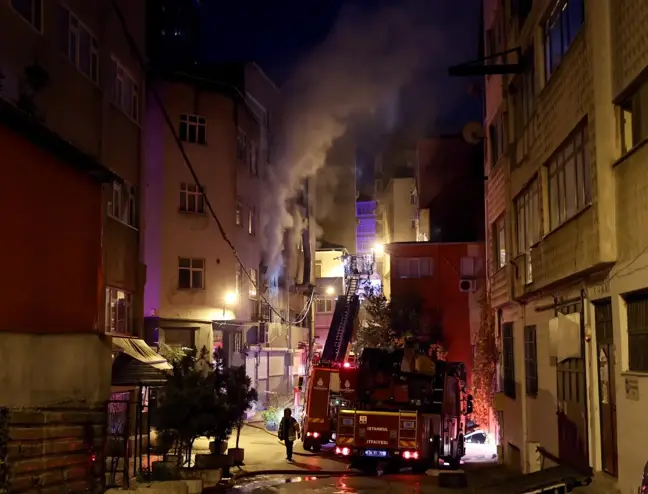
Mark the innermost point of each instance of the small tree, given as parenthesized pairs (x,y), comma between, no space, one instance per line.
(240,396)
(485,366)
(186,403)
(219,406)
(377,330)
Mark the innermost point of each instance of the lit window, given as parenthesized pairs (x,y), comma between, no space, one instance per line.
(414,267)
(318,269)
(192,199)
(324,306)
(252,221)
(123,206)
(119,311)
(254,274)
(499,243)
(239,213)
(193,128)
(125,90)
(79,46)
(191,273)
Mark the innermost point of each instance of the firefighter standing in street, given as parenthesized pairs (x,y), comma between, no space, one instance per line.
(288,432)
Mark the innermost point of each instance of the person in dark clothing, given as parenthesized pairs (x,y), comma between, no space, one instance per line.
(288,432)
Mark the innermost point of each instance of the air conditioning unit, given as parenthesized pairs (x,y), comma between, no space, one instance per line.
(467,285)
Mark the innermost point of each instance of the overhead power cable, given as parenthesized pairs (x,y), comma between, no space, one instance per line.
(169,122)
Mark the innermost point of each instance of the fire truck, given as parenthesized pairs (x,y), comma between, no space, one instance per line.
(405,408)
(324,397)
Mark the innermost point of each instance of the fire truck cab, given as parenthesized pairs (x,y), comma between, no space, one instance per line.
(404,416)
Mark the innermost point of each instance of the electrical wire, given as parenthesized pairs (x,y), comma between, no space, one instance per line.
(158,99)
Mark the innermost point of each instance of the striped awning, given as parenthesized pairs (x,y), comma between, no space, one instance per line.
(139,350)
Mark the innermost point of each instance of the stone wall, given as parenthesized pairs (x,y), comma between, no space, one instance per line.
(55,450)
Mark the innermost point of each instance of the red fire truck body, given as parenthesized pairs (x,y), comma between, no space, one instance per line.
(407,422)
(329,390)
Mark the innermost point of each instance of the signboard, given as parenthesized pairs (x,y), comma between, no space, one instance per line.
(348,380)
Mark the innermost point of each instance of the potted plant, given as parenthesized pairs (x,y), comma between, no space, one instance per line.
(271,418)
(241,395)
(183,410)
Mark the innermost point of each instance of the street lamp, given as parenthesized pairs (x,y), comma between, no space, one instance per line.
(230,299)
(330,290)
(379,249)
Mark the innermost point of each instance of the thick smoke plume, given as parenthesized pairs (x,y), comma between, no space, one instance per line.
(366,59)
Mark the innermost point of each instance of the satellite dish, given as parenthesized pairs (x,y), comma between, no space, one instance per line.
(473,133)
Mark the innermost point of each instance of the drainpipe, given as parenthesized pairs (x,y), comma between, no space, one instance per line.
(525,432)
(586,352)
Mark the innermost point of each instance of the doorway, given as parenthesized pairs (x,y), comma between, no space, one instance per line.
(607,389)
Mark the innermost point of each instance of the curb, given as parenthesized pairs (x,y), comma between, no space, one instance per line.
(295,453)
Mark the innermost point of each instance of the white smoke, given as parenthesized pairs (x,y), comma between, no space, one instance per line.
(360,67)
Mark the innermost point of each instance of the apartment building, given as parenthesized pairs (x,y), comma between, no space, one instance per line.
(564,212)
(444,284)
(329,283)
(74,208)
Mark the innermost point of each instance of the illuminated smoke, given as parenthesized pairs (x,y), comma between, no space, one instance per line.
(360,67)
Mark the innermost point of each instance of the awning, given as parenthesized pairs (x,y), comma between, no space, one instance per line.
(139,350)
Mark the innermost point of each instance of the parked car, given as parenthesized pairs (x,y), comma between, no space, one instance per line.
(476,437)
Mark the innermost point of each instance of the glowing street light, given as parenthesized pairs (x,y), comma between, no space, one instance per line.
(231,298)
(330,290)
(379,249)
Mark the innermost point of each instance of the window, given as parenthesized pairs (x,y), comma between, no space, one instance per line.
(254,282)
(192,199)
(253,159)
(252,221)
(318,269)
(191,273)
(125,90)
(241,146)
(527,214)
(467,267)
(31,11)
(239,213)
(499,242)
(179,338)
(634,119)
(560,31)
(79,45)
(569,179)
(531,360)
(193,128)
(238,281)
(508,359)
(497,139)
(237,341)
(123,206)
(414,267)
(119,311)
(524,106)
(414,223)
(324,306)
(637,309)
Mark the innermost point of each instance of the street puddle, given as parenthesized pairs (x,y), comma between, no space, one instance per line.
(269,483)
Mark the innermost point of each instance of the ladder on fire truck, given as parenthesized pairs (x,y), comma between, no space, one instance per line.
(340,332)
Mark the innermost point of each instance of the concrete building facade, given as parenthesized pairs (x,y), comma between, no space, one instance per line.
(566,252)
(71,91)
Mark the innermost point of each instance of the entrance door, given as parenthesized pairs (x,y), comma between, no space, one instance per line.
(572,406)
(607,394)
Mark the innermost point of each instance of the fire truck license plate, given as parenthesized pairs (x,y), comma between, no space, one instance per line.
(375,453)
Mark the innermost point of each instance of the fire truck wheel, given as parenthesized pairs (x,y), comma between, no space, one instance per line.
(316,448)
(434,453)
(306,444)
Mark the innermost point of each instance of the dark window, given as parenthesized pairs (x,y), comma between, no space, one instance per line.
(637,307)
(531,360)
(508,359)
(497,139)
(634,118)
(527,217)
(31,11)
(191,273)
(192,199)
(560,31)
(569,178)
(193,129)
(524,106)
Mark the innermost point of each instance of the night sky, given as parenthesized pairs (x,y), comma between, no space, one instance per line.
(278,35)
